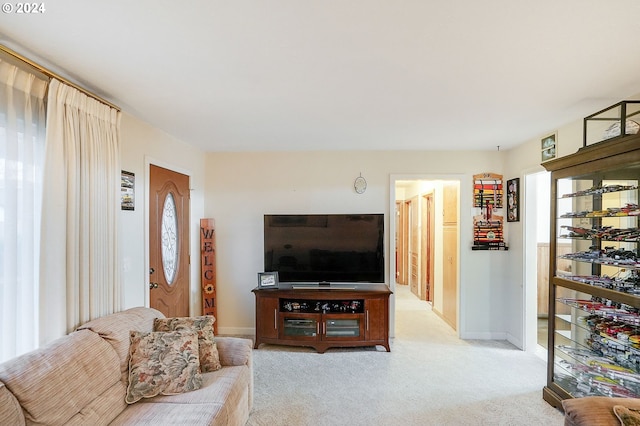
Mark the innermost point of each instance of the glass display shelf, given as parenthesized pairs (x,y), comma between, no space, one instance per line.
(597,232)
(597,347)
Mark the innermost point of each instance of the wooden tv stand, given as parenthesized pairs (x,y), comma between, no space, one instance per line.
(323,316)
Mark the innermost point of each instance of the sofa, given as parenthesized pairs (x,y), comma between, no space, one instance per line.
(83,377)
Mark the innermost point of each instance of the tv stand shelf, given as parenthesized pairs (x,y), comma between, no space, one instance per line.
(323,316)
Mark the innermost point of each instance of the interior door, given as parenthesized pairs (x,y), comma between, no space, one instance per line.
(169,242)
(414,246)
(450,255)
(427,241)
(401,268)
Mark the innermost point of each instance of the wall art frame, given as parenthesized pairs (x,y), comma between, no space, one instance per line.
(548,147)
(127,190)
(513,200)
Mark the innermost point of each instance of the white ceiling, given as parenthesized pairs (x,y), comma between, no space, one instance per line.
(241,75)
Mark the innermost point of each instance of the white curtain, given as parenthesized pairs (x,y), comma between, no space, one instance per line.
(22,135)
(79,277)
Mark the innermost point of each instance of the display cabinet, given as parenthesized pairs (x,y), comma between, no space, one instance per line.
(323,316)
(594,291)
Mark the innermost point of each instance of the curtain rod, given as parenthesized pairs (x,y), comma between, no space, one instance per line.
(51,74)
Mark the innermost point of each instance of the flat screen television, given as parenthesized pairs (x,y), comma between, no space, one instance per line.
(325,248)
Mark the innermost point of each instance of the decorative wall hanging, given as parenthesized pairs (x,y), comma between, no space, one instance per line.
(360,184)
(208,268)
(487,189)
(488,226)
(513,200)
(127,190)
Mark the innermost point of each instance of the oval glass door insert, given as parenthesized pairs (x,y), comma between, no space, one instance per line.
(169,239)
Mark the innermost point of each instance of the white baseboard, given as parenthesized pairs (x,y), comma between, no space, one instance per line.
(483,335)
(515,342)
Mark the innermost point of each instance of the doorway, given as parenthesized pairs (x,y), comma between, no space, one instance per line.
(169,275)
(537,232)
(426,242)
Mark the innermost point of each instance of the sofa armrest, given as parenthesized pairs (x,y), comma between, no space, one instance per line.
(234,350)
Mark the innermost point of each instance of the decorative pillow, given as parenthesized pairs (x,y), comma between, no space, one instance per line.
(203,325)
(627,416)
(162,363)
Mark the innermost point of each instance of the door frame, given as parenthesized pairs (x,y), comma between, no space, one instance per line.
(465,228)
(148,161)
(529,218)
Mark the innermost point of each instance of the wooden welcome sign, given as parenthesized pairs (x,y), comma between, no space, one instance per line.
(208,269)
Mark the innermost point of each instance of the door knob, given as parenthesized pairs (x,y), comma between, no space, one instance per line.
(153,285)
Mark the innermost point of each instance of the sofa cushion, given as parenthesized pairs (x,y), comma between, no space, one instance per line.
(102,410)
(220,386)
(55,382)
(225,392)
(595,410)
(115,329)
(167,414)
(203,325)
(164,363)
(10,410)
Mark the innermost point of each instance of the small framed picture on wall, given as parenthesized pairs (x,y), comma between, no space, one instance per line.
(513,200)
(548,147)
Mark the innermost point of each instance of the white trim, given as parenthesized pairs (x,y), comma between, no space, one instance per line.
(484,335)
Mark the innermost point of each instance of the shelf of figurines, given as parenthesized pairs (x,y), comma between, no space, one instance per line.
(611,123)
(601,354)
(600,189)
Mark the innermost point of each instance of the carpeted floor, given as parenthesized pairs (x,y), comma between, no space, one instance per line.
(430,377)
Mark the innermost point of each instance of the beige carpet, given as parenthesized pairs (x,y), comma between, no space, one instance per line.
(430,377)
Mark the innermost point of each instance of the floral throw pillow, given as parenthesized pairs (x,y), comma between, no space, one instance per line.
(162,364)
(203,325)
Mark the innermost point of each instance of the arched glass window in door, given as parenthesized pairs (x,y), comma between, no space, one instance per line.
(169,238)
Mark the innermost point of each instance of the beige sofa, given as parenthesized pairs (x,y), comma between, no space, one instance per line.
(81,379)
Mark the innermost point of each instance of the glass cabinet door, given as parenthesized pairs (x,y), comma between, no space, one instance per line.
(595,339)
(343,326)
(300,326)
(597,347)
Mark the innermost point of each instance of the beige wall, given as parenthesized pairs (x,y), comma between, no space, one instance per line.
(242,187)
(143,145)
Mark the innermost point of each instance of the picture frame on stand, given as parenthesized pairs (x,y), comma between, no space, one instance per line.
(268,280)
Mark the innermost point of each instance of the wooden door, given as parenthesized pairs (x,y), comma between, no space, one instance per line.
(169,242)
(414,246)
(401,274)
(450,254)
(427,241)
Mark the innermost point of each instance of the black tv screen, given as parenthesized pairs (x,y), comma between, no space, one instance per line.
(334,248)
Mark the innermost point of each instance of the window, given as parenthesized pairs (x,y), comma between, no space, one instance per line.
(22,135)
